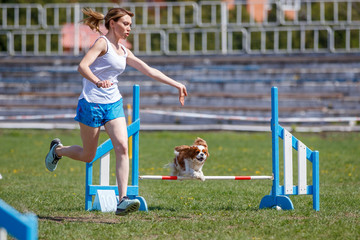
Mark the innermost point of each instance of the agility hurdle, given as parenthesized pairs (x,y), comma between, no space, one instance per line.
(279,195)
(19,226)
(103,153)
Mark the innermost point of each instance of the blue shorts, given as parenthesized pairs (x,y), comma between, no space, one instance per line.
(96,114)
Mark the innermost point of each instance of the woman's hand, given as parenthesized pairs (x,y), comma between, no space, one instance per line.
(182,94)
(104,84)
(155,74)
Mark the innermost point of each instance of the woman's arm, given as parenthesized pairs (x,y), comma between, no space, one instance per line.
(140,65)
(98,49)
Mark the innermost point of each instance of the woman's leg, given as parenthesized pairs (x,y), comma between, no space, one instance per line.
(117,131)
(89,137)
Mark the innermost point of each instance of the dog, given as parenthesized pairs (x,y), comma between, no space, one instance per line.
(189,160)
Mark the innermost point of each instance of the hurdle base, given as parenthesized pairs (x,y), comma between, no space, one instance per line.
(143,204)
(282,201)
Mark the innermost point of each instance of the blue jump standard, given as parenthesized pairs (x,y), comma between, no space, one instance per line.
(20,226)
(277,197)
(133,190)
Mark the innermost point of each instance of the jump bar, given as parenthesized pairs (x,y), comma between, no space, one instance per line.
(159,177)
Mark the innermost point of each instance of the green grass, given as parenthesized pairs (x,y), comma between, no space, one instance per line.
(187,209)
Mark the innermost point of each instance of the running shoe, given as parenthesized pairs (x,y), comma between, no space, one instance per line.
(127,206)
(52,159)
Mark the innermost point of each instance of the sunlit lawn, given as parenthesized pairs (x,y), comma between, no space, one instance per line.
(186,209)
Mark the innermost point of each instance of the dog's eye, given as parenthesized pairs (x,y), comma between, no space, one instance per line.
(197,151)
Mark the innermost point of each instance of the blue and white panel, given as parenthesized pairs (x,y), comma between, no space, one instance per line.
(288,163)
(105,170)
(302,185)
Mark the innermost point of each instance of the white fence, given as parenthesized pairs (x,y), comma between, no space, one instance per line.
(189,28)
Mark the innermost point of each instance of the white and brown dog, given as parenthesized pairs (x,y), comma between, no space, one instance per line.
(189,160)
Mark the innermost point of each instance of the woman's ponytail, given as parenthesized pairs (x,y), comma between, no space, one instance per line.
(93,20)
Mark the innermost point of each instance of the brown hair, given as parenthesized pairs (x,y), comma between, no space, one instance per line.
(94,18)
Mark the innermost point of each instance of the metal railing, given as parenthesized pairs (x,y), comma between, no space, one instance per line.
(189,28)
(309,36)
(147,14)
(10,16)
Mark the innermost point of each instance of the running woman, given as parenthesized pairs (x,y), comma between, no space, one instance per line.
(100,102)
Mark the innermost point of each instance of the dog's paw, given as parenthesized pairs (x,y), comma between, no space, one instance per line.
(199,175)
(202,177)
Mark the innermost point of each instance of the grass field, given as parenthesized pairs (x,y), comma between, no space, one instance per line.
(186,209)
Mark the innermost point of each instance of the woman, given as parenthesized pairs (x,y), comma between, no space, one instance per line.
(100,102)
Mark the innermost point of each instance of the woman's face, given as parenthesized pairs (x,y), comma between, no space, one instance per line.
(122,27)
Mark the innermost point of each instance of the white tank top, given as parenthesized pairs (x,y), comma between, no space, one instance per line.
(107,67)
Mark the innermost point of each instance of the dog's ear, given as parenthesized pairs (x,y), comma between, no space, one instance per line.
(182,148)
(200,141)
(193,150)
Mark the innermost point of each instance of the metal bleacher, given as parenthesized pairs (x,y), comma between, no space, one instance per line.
(309,90)
(233,79)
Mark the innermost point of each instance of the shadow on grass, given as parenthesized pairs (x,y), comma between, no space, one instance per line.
(64,219)
(160,208)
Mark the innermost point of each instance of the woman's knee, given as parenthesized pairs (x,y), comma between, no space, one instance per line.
(88,157)
(121,148)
